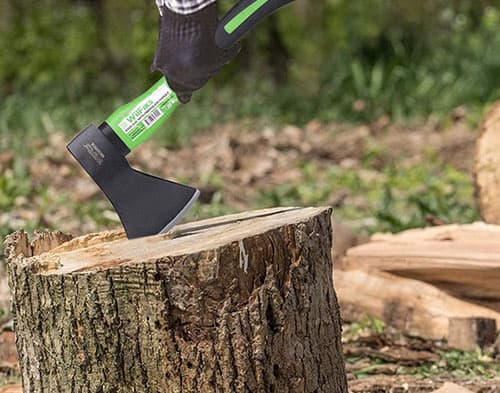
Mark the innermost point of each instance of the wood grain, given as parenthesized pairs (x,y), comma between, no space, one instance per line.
(461,259)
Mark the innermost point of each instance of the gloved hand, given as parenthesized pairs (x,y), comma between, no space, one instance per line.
(186,53)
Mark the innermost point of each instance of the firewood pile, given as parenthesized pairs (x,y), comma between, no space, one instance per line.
(436,283)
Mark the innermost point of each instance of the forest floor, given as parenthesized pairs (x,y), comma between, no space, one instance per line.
(378,177)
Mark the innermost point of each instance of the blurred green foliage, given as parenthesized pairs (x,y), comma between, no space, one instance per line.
(65,63)
(15,185)
(398,197)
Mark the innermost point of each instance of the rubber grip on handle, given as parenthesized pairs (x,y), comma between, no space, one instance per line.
(242,18)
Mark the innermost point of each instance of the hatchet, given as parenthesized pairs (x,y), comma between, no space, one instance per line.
(148,205)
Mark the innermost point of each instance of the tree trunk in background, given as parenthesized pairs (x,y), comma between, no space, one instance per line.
(278,55)
(242,303)
(98,9)
(487,166)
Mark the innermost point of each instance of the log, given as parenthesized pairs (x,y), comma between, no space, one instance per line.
(243,303)
(487,166)
(463,260)
(412,306)
(468,334)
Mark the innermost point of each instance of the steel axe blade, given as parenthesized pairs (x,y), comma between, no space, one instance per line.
(146,205)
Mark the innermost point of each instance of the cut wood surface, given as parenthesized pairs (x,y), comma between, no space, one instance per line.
(412,306)
(461,259)
(243,303)
(468,334)
(487,166)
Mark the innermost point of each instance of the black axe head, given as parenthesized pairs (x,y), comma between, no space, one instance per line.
(146,205)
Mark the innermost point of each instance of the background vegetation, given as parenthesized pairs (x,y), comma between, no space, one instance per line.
(67,62)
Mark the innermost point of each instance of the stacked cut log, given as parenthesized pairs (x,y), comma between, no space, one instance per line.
(438,283)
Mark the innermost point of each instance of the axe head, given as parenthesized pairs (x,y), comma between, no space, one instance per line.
(146,205)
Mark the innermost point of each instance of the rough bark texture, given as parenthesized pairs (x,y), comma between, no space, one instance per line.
(243,303)
(487,166)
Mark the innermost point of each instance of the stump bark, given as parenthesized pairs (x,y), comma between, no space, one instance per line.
(243,303)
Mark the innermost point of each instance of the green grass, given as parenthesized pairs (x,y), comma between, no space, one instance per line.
(410,196)
(367,325)
(342,61)
(355,85)
(451,364)
(14,184)
(459,364)
(396,198)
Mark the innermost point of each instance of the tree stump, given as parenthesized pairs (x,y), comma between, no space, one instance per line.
(243,303)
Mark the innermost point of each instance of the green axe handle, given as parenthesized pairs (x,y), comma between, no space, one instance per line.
(242,18)
(138,120)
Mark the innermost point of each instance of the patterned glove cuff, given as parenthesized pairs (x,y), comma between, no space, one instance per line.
(183,7)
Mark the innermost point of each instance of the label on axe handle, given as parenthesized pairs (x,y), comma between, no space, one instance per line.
(140,119)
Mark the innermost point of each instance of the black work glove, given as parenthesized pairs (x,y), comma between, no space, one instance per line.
(186,53)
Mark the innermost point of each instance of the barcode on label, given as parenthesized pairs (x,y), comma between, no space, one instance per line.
(153,117)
